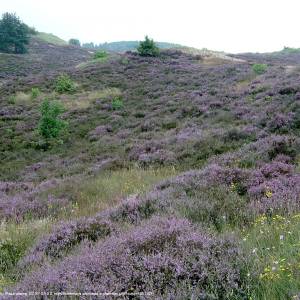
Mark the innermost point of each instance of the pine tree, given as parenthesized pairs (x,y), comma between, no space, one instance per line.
(74,42)
(14,34)
(148,48)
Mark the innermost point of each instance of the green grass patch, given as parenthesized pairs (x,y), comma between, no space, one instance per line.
(50,38)
(110,187)
(273,244)
(15,240)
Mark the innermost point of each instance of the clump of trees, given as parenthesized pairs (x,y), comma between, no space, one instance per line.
(148,48)
(74,42)
(14,34)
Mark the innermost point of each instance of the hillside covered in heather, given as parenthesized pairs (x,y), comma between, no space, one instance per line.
(175,177)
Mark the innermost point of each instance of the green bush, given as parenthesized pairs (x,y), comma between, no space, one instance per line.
(64,84)
(74,42)
(50,125)
(259,68)
(35,92)
(101,54)
(148,48)
(117,104)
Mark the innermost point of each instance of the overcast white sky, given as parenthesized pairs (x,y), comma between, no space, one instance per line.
(225,25)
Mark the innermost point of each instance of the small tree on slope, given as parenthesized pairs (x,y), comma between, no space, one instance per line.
(148,48)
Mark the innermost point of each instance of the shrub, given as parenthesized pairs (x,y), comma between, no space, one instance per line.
(50,125)
(35,92)
(217,206)
(26,206)
(259,68)
(64,84)
(296,120)
(101,54)
(280,123)
(117,104)
(166,257)
(148,48)
(283,145)
(9,255)
(66,236)
(74,42)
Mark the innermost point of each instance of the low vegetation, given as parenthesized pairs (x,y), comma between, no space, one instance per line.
(100,54)
(64,84)
(158,174)
(50,38)
(259,68)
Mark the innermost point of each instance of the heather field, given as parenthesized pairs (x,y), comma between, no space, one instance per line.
(174,177)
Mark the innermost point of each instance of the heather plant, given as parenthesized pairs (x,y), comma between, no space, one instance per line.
(28,205)
(51,125)
(148,48)
(64,237)
(161,257)
(284,145)
(280,123)
(276,195)
(259,68)
(64,84)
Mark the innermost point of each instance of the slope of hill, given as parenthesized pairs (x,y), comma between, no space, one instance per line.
(187,188)
(50,38)
(46,53)
(124,46)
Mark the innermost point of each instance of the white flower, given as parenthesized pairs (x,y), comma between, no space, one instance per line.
(254,250)
(281,237)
